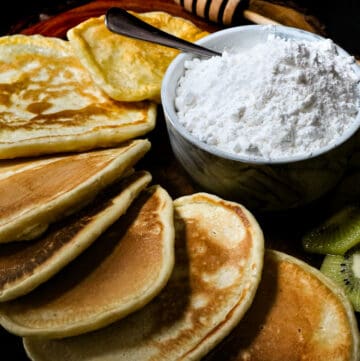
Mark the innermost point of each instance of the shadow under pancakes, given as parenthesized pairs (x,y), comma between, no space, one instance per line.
(164,167)
(86,263)
(251,325)
(174,299)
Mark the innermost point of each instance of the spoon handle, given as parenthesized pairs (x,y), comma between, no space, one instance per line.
(121,22)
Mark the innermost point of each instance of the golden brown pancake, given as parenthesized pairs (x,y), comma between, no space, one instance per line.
(38,192)
(123,270)
(219,255)
(129,69)
(297,314)
(50,104)
(25,265)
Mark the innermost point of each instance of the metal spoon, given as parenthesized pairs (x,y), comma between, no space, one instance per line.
(121,22)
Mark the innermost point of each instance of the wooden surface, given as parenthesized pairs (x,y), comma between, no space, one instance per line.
(282,231)
(58,25)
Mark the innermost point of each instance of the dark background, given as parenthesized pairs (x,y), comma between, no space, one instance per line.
(341,20)
(18,15)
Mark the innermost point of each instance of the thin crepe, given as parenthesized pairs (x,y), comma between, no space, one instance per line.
(129,69)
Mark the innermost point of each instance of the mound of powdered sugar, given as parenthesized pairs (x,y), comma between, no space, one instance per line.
(277,99)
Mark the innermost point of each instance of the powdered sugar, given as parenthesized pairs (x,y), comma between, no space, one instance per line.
(279,98)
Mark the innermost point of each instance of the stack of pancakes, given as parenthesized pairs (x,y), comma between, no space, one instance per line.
(97,263)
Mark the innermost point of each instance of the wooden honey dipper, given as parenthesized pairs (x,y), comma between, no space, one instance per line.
(230,12)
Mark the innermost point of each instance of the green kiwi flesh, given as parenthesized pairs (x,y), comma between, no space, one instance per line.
(345,271)
(337,234)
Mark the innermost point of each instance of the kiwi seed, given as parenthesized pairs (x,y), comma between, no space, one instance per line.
(345,271)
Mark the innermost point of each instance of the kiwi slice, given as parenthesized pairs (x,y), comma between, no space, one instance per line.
(345,271)
(337,234)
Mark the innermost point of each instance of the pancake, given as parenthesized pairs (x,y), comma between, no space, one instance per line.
(128,69)
(49,103)
(297,314)
(25,265)
(219,255)
(123,270)
(38,192)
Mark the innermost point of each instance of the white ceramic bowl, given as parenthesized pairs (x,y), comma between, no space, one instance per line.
(279,184)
